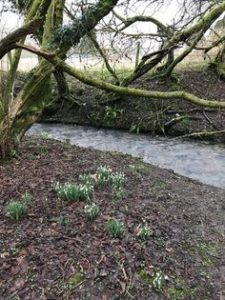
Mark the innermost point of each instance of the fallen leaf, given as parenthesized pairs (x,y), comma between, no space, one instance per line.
(4,254)
(18,285)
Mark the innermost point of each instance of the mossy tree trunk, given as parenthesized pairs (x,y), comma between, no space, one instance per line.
(219,64)
(20,113)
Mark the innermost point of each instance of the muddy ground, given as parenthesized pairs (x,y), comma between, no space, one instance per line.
(89,106)
(42,257)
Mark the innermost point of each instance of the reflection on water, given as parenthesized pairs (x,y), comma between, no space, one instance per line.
(200,161)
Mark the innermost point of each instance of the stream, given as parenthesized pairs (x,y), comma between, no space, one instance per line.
(202,161)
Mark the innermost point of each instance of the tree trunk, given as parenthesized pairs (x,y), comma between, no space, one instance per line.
(23,111)
(8,145)
(219,64)
(62,86)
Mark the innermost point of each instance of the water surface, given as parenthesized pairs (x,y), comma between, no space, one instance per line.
(202,161)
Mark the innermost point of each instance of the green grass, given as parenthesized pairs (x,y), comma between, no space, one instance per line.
(192,66)
(103,73)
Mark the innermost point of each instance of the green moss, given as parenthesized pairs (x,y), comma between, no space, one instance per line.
(185,121)
(180,293)
(75,279)
(206,250)
(146,277)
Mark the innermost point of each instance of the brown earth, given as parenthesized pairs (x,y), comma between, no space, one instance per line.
(43,259)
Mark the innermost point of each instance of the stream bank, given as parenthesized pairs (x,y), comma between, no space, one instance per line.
(54,252)
(197,160)
(91,107)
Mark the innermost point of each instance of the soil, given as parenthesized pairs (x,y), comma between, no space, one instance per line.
(42,258)
(89,106)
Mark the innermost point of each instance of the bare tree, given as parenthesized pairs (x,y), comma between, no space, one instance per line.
(56,38)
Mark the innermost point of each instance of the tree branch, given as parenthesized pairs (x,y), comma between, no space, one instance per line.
(178,37)
(72,34)
(98,48)
(129,21)
(178,95)
(7,43)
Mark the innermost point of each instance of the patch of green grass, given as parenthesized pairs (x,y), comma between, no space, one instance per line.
(148,278)
(103,73)
(180,291)
(192,66)
(206,251)
(105,176)
(41,149)
(91,211)
(140,169)
(185,121)
(115,228)
(74,192)
(13,154)
(204,247)
(18,208)
(75,279)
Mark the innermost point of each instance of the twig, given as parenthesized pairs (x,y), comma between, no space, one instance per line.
(209,120)
(200,134)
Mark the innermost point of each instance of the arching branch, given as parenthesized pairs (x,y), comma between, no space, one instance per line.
(178,95)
